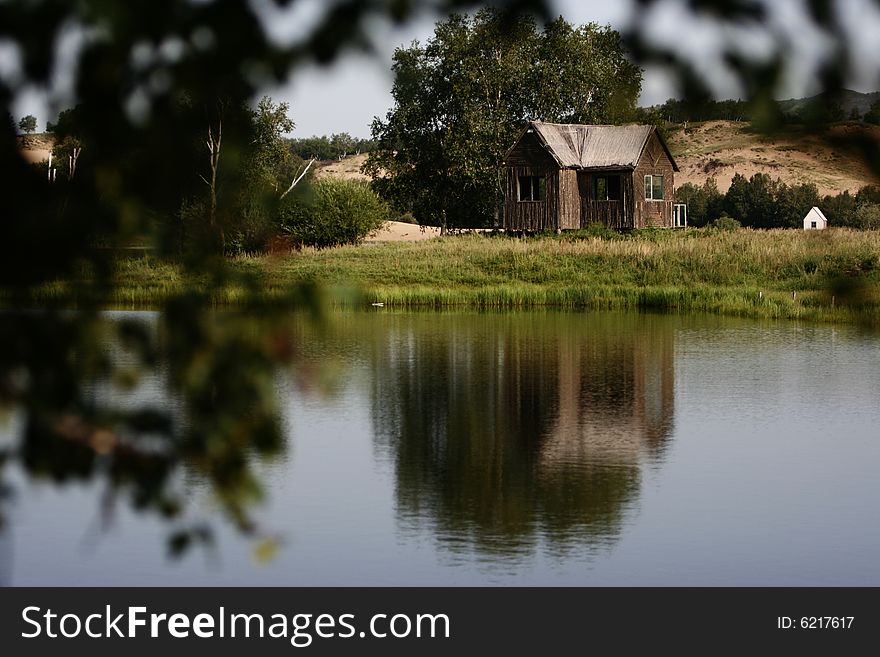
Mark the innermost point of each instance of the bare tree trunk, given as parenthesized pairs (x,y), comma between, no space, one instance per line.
(299,177)
(443,222)
(71,161)
(213,144)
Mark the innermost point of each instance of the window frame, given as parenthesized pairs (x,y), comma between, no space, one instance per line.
(607,177)
(650,187)
(537,187)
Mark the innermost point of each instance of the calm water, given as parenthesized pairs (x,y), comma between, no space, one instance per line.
(527,448)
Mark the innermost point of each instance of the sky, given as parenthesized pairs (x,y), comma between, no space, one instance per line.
(345,96)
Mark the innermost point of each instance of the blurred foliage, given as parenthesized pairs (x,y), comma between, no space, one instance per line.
(150,80)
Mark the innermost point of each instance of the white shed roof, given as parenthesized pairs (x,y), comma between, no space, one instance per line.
(816,214)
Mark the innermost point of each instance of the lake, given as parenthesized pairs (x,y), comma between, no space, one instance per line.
(527,448)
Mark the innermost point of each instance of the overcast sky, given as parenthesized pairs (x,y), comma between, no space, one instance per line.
(345,96)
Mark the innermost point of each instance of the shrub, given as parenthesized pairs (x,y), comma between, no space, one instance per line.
(337,212)
(726,223)
(596,229)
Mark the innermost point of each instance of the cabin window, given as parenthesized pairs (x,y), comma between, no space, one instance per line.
(653,188)
(812,224)
(532,188)
(606,188)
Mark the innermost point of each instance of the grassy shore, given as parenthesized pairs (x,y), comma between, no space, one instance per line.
(829,275)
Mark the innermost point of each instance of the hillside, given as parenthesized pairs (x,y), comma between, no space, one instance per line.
(724,148)
(349,168)
(36,147)
(848,100)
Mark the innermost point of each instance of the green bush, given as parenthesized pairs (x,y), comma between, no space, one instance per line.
(726,223)
(599,230)
(337,212)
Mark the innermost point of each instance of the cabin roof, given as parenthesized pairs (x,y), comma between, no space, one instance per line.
(577,146)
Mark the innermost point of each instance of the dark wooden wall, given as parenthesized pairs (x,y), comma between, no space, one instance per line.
(654,161)
(531,215)
(530,158)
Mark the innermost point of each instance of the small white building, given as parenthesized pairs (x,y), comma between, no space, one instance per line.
(815,220)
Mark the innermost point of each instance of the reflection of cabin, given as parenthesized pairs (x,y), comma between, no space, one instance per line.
(616,396)
(567,176)
(815,220)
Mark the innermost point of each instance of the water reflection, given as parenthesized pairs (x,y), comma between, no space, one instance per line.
(527,448)
(506,431)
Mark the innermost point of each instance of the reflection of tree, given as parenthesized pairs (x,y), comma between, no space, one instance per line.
(504,428)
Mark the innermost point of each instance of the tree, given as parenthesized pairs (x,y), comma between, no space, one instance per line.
(761,202)
(270,172)
(736,202)
(705,203)
(460,100)
(330,148)
(873,114)
(868,217)
(840,210)
(271,161)
(28,124)
(70,123)
(793,202)
(66,154)
(244,186)
(869,194)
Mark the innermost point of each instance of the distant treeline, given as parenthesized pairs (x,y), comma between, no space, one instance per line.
(761,202)
(809,111)
(333,147)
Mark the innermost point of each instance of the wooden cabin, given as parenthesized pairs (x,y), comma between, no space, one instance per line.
(566,176)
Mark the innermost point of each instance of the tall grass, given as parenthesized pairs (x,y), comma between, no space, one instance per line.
(829,275)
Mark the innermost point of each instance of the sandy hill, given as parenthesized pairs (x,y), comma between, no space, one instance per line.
(36,147)
(724,148)
(349,168)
